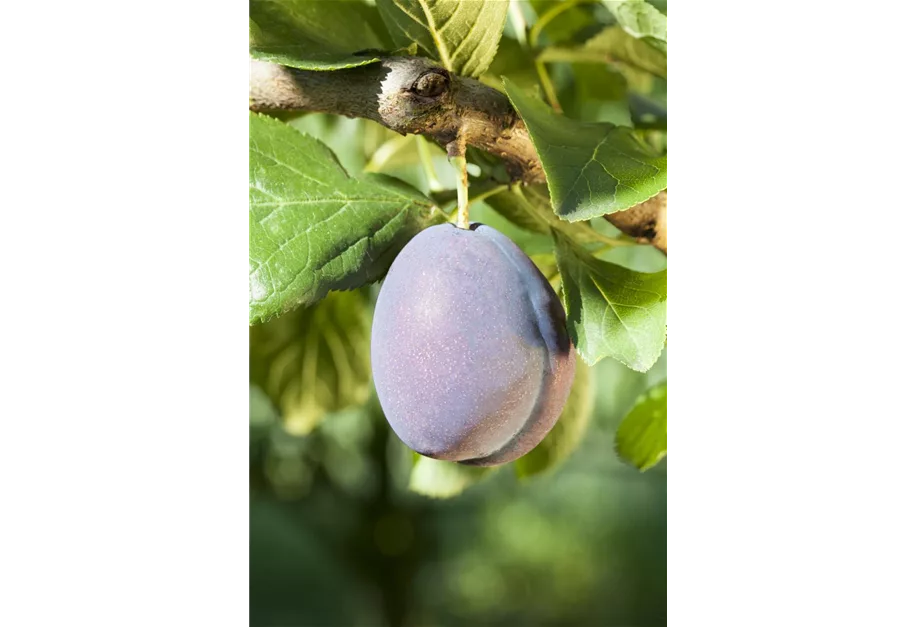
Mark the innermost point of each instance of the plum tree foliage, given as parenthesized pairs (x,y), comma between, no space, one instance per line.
(375,128)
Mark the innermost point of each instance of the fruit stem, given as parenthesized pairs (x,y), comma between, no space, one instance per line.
(548,86)
(461,170)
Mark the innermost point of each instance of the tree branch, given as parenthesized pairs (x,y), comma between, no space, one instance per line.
(645,222)
(414,95)
(398,94)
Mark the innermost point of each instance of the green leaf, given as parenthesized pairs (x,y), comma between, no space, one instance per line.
(566,435)
(599,95)
(492,167)
(346,137)
(547,265)
(441,479)
(312,227)
(314,360)
(530,208)
(611,311)
(513,61)
(261,411)
(564,25)
(641,437)
(648,110)
(315,34)
(462,34)
(640,19)
(617,45)
(592,169)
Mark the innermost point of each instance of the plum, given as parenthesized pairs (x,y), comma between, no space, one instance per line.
(470,353)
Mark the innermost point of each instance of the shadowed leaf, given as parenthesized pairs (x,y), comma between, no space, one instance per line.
(592,169)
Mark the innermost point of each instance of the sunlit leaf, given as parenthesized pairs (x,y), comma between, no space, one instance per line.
(441,479)
(641,437)
(641,20)
(622,47)
(463,35)
(313,227)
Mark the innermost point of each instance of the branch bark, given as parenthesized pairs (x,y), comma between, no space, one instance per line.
(646,221)
(402,94)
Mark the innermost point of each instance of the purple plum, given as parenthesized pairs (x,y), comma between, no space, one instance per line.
(470,353)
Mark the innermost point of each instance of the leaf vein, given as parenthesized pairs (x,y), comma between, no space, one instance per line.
(288,166)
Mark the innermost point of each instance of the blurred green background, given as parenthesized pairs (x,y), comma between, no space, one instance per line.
(338,538)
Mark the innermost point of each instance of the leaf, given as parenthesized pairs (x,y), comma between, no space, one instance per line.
(599,95)
(645,108)
(492,167)
(566,435)
(530,208)
(314,360)
(592,169)
(315,34)
(641,437)
(312,227)
(262,417)
(513,61)
(462,34)
(261,412)
(619,46)
(346,137)
(547,265)
(441,479)
(640,19)
(565,25)
(611,310)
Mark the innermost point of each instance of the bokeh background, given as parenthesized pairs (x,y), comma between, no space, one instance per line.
(338,539)
(337,535)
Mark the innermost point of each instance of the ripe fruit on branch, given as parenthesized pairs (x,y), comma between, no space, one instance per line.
(470,353)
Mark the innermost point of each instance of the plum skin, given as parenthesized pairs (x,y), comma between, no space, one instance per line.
(470,354)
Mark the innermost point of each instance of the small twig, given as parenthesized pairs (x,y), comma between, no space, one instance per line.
(548,86)
(556,54)
(461,171)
